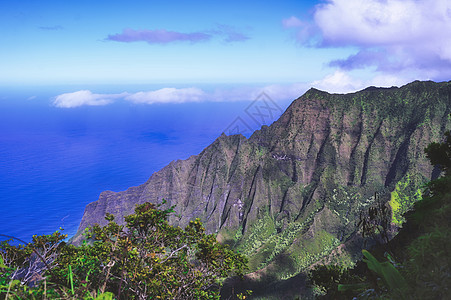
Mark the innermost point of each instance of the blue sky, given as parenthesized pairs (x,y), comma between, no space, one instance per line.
(281,46)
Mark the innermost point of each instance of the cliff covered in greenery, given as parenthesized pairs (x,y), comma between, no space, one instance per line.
(416,264)
(291,194)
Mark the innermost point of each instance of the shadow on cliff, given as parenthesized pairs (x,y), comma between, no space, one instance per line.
(265,283)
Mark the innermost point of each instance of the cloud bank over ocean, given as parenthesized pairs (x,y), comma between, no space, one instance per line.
(85,98)
(338,82)
(168,95)
(278,92)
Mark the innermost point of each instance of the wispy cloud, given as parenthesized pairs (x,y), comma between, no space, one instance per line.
(85,97)
(392,36)
(292,22)
(162,36)
(50,28)
(304,31)
(168,95)
(158,36)
(364,58)
(230,34)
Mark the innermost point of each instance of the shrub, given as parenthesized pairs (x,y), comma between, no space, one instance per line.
(144,259)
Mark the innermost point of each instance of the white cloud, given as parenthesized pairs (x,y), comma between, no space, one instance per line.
(169,95)
(84,97)
(375,22)
(338,82)
(277,92)
(343,82)
(292,22)
(394,36)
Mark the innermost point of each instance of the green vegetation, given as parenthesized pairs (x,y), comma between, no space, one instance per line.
(326,278)
(402,199)
(145,259)
(257,235)
(308,251)
(260,152)
(418,265)
(287,252)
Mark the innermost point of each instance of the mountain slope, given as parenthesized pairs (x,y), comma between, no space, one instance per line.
(294,189)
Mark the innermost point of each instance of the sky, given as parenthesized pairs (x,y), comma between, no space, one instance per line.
(238,47)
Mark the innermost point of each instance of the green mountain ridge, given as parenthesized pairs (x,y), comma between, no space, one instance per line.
(291,194)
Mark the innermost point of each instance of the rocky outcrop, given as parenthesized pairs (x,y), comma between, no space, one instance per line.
(327,155)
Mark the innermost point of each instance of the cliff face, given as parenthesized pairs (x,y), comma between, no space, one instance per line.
(295,188)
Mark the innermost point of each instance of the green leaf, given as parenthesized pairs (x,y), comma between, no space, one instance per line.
(105,296)
(2,263)
(390,275)
(355,287)
(71,278)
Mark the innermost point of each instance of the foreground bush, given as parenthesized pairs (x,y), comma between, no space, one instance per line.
(145,259)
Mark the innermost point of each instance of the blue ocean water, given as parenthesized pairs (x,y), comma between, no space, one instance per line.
(54,161)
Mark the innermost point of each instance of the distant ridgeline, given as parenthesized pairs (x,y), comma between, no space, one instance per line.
(295,189)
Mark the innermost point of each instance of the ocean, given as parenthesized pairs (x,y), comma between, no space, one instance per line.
(54,161)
